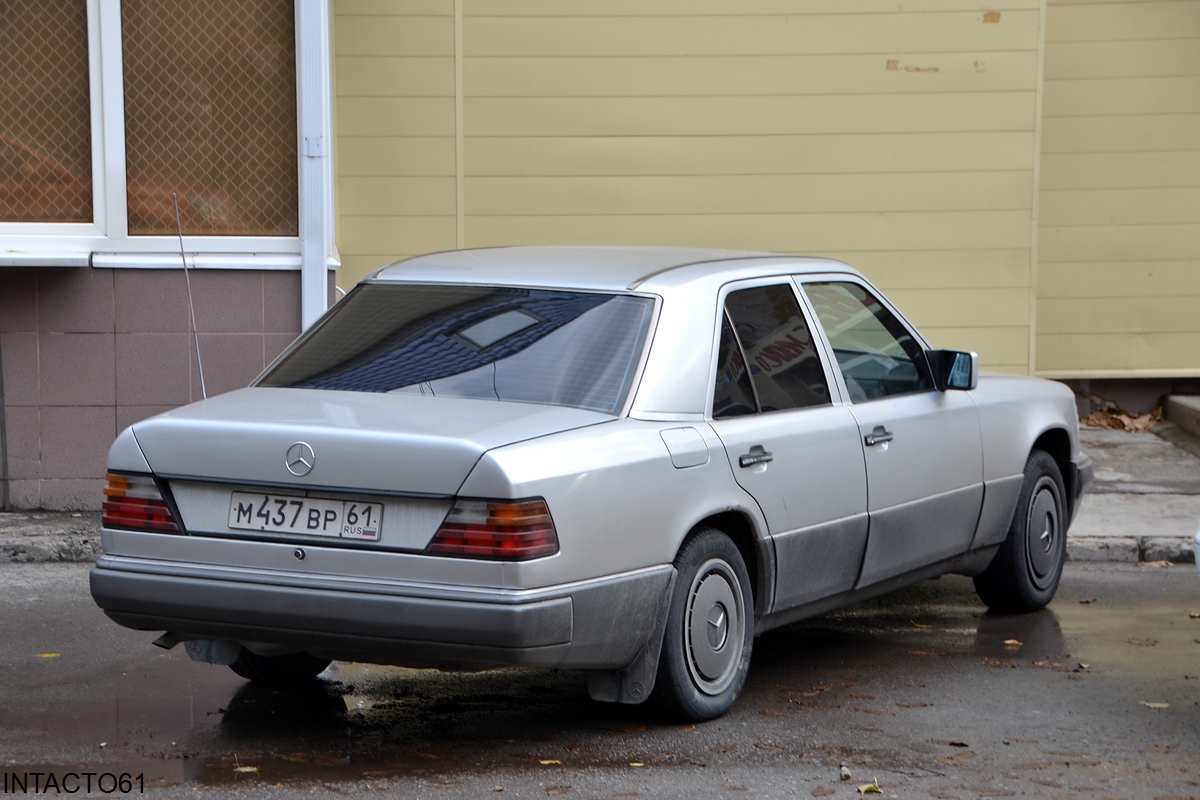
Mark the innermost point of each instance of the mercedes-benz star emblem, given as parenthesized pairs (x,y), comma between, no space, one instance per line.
(300,459)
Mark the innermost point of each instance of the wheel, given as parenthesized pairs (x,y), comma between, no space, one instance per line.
(1024,574)
(286,670)
(710,630)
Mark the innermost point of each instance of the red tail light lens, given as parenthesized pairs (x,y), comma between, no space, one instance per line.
(508,531)
(133,502)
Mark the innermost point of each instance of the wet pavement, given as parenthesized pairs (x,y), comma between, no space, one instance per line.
(1096,696)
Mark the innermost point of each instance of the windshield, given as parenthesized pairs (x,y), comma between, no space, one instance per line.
(561,348)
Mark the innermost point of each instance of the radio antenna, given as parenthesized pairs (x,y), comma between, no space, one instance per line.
(191,306)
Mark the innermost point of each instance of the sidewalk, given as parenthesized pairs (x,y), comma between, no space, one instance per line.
(1144,506)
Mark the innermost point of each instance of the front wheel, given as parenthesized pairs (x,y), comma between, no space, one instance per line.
(1024,574)
(710,630)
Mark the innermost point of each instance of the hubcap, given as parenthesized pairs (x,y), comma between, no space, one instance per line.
(1043,531)
(714,626)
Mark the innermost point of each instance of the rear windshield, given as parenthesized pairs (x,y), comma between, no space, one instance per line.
(577,349)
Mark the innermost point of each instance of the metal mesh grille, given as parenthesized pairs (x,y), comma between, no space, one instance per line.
(45,114)
(210,113)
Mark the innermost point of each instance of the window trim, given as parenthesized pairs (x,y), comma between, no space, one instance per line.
(106,239)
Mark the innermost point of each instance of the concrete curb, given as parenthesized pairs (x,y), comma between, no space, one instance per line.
(1131,549)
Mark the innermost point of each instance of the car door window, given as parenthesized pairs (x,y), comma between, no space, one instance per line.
(765,335)
(877,355)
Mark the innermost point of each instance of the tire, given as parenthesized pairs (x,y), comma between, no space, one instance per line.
(710,630)
(1025,572)
(292,669)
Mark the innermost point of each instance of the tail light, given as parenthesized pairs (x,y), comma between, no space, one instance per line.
(504,530)
(133,502)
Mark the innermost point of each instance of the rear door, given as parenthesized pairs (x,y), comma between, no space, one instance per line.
(790,441)
(923,448)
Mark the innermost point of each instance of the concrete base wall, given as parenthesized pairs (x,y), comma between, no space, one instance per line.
(88,352)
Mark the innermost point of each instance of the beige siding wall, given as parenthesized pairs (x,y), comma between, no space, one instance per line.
(903,142)
(1119,272)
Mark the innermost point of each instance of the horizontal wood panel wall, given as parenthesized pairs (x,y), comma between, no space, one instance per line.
(1119,230)
(901,141)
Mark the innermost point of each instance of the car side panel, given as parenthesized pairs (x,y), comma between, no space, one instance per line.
(1013,412)
(617,501)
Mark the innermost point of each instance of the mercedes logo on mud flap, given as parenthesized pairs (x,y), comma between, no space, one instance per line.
(300,459)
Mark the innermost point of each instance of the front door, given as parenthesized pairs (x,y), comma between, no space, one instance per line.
(789,445)
(923,448)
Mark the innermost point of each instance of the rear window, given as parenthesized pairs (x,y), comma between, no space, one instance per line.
(577,349)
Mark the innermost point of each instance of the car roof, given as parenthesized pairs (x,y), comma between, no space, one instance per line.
(602,268)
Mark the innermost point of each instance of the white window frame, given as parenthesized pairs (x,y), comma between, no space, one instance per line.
(106,241)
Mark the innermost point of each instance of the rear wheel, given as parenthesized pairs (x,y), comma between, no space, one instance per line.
(710,630)
(287,670)
(1024,574)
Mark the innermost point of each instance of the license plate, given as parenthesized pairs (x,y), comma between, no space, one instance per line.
(312,516)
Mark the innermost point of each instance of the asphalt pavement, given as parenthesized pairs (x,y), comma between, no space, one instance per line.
(1144,507)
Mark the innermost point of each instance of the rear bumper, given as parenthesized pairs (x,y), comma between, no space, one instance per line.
(598,624)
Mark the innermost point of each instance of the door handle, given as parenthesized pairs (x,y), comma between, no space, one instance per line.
(878,436)
(757,455)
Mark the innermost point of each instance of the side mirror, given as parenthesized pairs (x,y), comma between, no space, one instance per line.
(953,369)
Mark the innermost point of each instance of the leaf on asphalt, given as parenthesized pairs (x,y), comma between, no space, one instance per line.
(497,788)
(47,655)
(548,761)
(870,788)
(557,789)
(863,696)
(245,769)
(1194,614)
(1141,642)
(1084,666)
(725,748)
(849,684)
(920,625)
(630,729)
(951,743)
(822,791)
(919,653)
(767,713)
(1163,563)
(1087,601)
(1149,704)
(914,705)
(636,764)
(821,687)
(958,758)
(688,729)
(1013,643)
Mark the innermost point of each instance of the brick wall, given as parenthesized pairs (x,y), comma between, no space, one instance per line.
(87,352)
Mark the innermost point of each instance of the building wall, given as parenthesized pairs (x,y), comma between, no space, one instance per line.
(87,352)
(902,141)
(1119,265)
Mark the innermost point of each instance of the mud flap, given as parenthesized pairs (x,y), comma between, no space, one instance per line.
(633,684)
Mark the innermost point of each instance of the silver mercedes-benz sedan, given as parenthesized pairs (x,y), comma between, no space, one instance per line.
(627,461)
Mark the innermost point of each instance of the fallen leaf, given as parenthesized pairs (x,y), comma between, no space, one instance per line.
(548,761)
(245,769)
(914,705)
(557,789)
(920,625)
(1194,614)
(630,729)
(1087,600)
(870,788)
(725,748)
(688,729)
(1012,642)
(1082,665)
(863,696)
(1140,642)
(822,791)
(919,653)
(952,744)
(47,655)
(1162,564)
(636,764)
(821,687)
(1148,704)
(847,685)
(497,788)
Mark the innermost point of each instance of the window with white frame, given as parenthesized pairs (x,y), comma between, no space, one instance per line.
(110,107)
